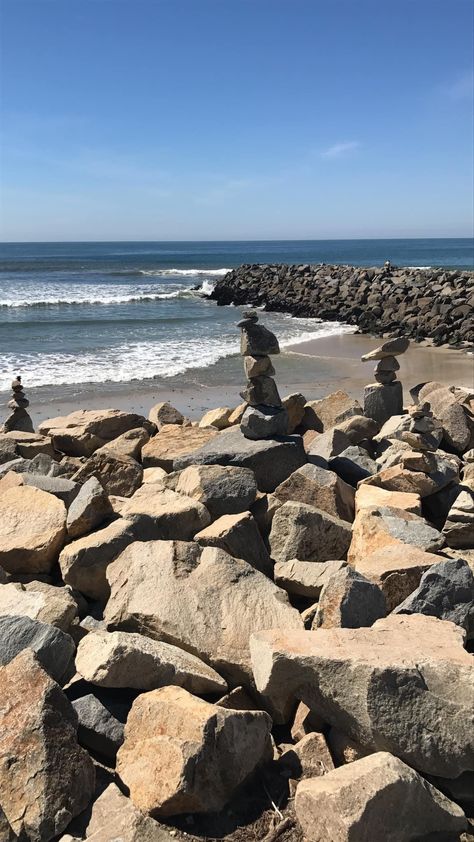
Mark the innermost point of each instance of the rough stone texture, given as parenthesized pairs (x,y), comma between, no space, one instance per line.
(381,400)
(448,407)
(27,444)
(123,659)
(39,601)
(399,478)
(128,445)
(258,366)
(261,390)
(263,511)
(218,418)
(308,534)
(54,649)
(295,407)
(327,445)
(305,721)
(207,604)
(343,749)
(32,530)
(153,475)
(183,755)
(60,487)
(321,488)
(257,341)
(45,777)
(163,414)
(309,758)
(404,685)
(271,461)
(89,509)
(84,562)
(120,475)
(10,480)
(459,526)
(368,496)
(115,817)
(262,421)
(98,729)
(83,431)
(396,569)
(164,514)
(172,443)
(378,797)
(235,416)
(222,490)
(239,536)
(446,591)
(353,464)
(349,600)
(359,428)
(305,578)
(382,526)
(325,413)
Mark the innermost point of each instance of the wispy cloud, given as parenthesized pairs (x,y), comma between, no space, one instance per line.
(338,150)
(462,87)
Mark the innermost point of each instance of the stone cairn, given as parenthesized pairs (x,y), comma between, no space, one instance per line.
(265,416)
(19,418)
(385,397)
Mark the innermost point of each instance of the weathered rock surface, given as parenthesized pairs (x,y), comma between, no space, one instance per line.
(39,601)
(448,405)
(115,817)
(163,414)
(295,407)
(84,561)
(45,777)
(264,422)
(183,755)
(128,445)
(164,514)
(321,488)
(84,431)
(124,659)
(54,649)
(222,490)
(459,525)
(308,534)
(370,496)
(327,445)
(98,729)
(218,418)
(305,578)
(120,475)
(206,603)
(309,758)
(32,530)
(349,600)
(404,685)
(353,464)
(382,526)
(446,591)
(60,487)
(239,536)
(173,442)
(325,413)
(377,797)
(396,569)
(88,510)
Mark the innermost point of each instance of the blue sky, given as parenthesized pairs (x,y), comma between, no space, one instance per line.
(236,119)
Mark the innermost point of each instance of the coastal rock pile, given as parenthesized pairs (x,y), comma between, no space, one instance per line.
(19,418)
(415,302)
(264,639)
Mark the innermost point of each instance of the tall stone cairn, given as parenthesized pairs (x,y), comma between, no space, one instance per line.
(19,419)
(385,397)
(265,417)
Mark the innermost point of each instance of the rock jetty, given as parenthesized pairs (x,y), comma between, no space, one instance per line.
(206,635)
(436,304)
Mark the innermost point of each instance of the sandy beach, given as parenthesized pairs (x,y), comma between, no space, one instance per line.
(314,368)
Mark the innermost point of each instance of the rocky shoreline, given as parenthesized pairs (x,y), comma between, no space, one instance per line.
(435,304)
(255,626)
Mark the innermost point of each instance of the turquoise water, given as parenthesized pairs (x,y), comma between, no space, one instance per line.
(75,313)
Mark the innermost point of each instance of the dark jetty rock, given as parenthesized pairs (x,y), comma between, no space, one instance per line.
(435,304)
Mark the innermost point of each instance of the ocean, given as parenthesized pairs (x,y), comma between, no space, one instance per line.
(111,313)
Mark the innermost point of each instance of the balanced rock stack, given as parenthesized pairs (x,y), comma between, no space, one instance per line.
(18,419)
(385,397)
(265,416)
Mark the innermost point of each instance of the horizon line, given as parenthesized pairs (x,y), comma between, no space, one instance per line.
(253,240)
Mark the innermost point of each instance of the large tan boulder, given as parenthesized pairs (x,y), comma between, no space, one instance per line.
(325,413)
(124,659)
(450,406)
(163,414)
(84,561)
(40,601)
(29,445)
(32,530)
(308,534)
(115,817)
(377,797)
(396,569)
(223,490)
(84,431)
(239,536)
(182,755)
(119,475)
(321,488)
(305,578)
(129,444)
(172,442)
(46,778)
(218,418)
(369,496)
(406,684)
(207,603)
(165,514)
(377,527)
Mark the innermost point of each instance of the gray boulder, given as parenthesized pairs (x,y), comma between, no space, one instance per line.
(264,422)
(308,534)
(353,465)
(98,729)
(54,648)
(327,445)
(305,578)
(89,509)
(222,490)
(64,489)
(321,488)
(349,600)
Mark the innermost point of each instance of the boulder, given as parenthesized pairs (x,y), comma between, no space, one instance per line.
(218,418)
(449,408)
(271,461)
(46,778)
(381,526)
(222,490)
(183,755)
(309,758)
(206,603)
(84,561)
(28,445)
(164,514)
(153,475)
(32,530)
(258,366)
(124,659)
(396,569)
(308,534)
(84,431)
(98,729)
(89,509)
(370,496)
(391,348)
(173,442)
(353,464)
(295,407)
(264,421)
(235,416)
(54,649)
(128,445)
(305,722)
(377,797)
(257,341)
(115,817)
(62,488)
(10,480)
(239,536)
(406,684)
(262,390)
(8,449)
(359,428)
(305,578)
(325,413)
(381,400)
(343,749)
(446,591)
(321,488)
(326,446)
(38,601)
(120,475)
(348,600)
(459,526)
(163,414)
(399,478)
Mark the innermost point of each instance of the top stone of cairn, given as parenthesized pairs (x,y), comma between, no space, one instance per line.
(256,340)
(392,348)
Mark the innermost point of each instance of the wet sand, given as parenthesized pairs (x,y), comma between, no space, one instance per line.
(314,368)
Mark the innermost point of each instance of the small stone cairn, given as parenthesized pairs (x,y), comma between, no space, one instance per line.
(385,397)
(19,418)
(265,417)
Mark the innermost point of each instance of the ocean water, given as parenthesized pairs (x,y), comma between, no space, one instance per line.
(101,313)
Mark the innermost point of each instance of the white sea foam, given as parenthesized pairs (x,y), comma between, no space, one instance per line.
(185,273)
